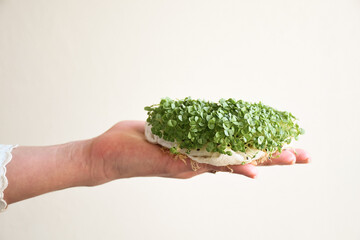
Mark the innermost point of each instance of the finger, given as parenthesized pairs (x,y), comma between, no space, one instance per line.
(285,158)
(247,170)
(301,155)
(187,168)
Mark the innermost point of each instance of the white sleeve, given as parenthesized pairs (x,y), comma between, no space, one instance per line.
(5,158)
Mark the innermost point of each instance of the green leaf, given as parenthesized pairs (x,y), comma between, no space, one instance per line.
(171,123)
(302,131)
(217,135)
(174,150)
(211,123)
(261,139)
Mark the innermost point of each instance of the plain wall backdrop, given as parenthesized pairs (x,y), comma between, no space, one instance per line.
(71,69)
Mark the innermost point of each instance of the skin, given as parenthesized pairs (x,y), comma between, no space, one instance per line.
(120,152)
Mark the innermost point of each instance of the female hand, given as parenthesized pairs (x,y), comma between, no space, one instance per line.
(123,152)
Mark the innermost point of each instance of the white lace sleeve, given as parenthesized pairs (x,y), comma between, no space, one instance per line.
(5,158)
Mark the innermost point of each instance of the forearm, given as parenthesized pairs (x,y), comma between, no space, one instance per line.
(35,170)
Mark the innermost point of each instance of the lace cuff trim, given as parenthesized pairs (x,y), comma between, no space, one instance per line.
(5,158)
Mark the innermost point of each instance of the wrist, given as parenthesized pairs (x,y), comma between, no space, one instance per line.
(73,158)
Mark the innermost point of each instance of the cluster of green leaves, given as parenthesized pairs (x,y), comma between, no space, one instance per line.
(228,124)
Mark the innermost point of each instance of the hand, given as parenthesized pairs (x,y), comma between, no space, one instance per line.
(123,152)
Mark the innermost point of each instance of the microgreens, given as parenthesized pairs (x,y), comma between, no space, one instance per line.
(228,124)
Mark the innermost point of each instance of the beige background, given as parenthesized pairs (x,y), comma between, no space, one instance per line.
(71,69)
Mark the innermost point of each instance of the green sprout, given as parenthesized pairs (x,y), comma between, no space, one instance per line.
(228,124)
